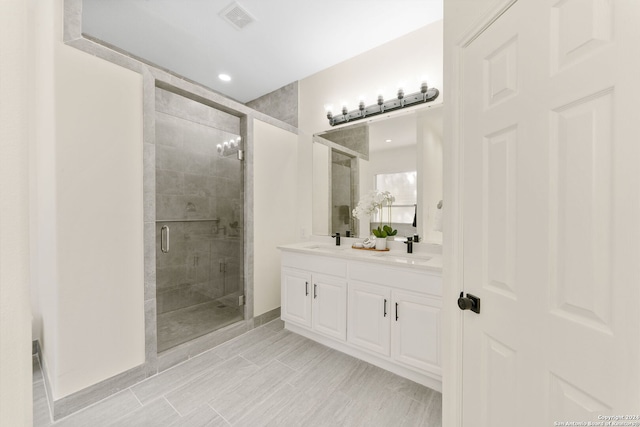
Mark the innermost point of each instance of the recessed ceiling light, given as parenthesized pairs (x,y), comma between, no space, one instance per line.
(224,77)
(387,140)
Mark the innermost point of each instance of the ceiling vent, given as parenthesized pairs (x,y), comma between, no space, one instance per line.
(237,16)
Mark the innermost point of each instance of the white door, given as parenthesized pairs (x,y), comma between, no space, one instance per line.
(329,311)
(296,296)
(369,317)
(416,331)
(550,127)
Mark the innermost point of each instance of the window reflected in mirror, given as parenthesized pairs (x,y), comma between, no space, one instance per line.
(403,186)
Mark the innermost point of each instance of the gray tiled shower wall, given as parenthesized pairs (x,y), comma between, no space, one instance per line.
(193,182)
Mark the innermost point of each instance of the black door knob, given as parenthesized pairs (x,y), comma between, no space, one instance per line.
(470,302)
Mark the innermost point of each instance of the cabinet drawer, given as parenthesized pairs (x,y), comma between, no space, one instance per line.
(317,264)
(412,280)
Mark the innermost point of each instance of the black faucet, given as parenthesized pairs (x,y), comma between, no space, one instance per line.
(337,236)
(409,244)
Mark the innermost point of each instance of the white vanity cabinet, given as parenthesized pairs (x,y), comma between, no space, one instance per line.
(370,311)
(314,294)
(402,325)
(329,306)
(384,313)
(416,331)
(295,300)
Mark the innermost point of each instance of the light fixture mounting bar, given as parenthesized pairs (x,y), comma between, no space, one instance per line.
(402,101)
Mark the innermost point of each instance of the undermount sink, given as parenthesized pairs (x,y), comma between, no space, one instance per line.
(321,247)
(407,258)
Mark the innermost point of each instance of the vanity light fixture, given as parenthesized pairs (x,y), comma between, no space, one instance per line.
(425,95)
(228,148)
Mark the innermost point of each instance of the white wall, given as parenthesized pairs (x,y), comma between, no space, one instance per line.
(321,159)
(393,160)
(87,212)
(366,185)
(402,61)
(430,145)
(276,205)
(15,315)
(406,59)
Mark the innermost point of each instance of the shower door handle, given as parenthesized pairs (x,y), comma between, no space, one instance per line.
(164,239)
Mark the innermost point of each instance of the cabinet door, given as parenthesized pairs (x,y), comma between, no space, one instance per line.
(368,317)
(416,331)
(296,296)
(329,311)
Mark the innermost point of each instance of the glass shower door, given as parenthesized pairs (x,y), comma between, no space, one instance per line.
(199,226)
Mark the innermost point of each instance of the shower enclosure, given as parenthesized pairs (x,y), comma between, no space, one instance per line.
(343,191)
(199,219)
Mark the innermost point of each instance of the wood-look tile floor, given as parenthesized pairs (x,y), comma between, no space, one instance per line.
(266,377)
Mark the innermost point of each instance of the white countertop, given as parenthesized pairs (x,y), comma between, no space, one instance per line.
(396,256)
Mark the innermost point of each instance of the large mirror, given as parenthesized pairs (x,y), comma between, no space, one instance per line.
(400,153)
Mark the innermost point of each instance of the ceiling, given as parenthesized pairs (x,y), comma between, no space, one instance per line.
(400,129)
(287,41)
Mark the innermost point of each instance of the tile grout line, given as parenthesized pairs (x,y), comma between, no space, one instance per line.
(219,414)
(248,361)
(290,367)
(172,407)
(136,397)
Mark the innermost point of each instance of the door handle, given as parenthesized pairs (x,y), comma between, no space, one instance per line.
(396,312)
(470,302)
(164,239)
(385,308)
(315,291)
(306,289)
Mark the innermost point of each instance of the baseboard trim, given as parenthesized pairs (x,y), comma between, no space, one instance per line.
(81,399)
(97,392)
(266,317)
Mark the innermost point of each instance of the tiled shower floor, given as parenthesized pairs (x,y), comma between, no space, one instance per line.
(183,325)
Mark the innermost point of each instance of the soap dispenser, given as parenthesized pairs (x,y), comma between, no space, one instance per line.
(409,244)
(337,237)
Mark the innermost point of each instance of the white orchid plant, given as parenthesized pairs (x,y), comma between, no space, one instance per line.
(369,204)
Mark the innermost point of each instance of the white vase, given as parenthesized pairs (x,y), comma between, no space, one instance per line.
(381,244)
